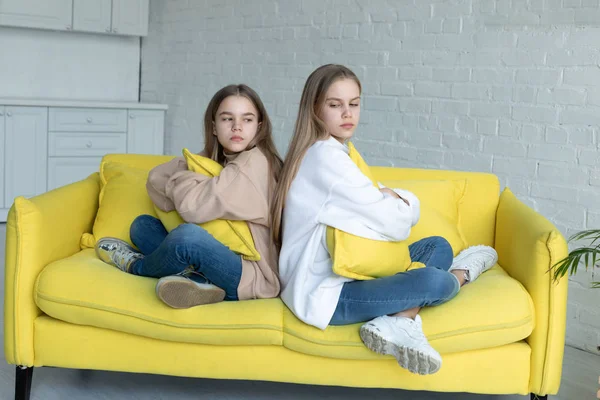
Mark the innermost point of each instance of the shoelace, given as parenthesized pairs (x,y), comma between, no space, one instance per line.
(123,258)
(417,332)
(479,266)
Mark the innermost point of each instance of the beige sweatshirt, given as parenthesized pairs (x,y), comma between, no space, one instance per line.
(240,192)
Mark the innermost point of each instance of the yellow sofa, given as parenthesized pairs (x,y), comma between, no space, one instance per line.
(504,334)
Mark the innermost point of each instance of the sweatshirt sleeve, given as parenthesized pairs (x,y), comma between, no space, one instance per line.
(157,181)
(355,206)
(238,193)
(413,200)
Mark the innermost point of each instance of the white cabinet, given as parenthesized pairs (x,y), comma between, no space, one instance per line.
(123,17)
(2,150)
(120,17)
(65,170)
(145,133)
(48,144)
(25,153)
(88,120)
(92,15)
(45,14)
(130,17)
(84,144)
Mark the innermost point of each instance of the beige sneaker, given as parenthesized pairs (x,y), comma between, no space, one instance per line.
(179,291)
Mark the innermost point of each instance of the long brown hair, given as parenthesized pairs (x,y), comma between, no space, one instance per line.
(264,136)
(309,129)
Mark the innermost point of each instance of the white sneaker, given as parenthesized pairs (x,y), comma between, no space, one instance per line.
(475,260)
(179,291)
(404,339)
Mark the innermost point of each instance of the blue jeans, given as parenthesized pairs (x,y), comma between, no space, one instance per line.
(430,286)
(169,253)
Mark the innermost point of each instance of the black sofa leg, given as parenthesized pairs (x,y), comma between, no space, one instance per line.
(536,397)
(23,379)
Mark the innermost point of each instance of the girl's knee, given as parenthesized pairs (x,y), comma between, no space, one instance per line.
(443,247)
(188,233)
(440,282)
(441,242)
(140,225)
(447,285)
(188,230)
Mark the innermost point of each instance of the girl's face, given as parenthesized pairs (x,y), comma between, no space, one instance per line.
(236,123)
(341,109)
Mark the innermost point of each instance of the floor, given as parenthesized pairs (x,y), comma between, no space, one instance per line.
(580,381)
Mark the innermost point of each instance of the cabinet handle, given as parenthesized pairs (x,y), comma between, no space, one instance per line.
(107,29)
(8,114)
(88,145)
(131,116)
(68,27)
(1,113)
(89,120)
(115,30)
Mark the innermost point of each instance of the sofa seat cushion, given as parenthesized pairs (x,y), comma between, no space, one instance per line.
(83,290)
(493,311)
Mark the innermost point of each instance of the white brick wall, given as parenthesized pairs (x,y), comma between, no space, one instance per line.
(508,86)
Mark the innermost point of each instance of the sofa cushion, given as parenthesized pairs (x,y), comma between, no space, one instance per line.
(123,195)
(440,201)
(494,310)
(122,199)
(83,290)
(477,208)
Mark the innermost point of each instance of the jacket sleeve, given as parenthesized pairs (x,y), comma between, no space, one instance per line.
(413,201)
(355,206)
(238,193)
(157,181)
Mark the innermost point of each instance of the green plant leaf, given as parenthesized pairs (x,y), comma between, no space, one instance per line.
(593,234)
(571,262)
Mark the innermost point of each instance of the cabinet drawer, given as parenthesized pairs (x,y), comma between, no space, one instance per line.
(88,120)
(73,144)
(65,170)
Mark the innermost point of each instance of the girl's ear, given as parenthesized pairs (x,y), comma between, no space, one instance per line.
(214,131)
(258,126)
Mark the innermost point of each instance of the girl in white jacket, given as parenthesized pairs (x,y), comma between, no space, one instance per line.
(319,187)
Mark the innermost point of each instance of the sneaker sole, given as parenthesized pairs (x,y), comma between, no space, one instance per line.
(179,294)
(408,358)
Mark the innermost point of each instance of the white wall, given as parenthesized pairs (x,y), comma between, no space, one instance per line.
(68,65)
(510,87)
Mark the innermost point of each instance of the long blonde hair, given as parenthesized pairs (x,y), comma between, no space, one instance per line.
(264,136)
(309,129)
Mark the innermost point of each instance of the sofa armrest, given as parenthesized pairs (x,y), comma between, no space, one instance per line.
(39,231)
(528,245)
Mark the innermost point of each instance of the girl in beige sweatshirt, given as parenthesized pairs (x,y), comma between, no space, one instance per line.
(193,266)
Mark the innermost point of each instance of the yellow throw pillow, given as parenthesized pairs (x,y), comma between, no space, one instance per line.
(360,258)
(439,200)
(123,197)
(235,235)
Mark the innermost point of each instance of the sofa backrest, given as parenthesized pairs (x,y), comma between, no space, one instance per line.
(141,161)
(476,210)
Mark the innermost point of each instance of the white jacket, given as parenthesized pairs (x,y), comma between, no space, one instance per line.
(330,190)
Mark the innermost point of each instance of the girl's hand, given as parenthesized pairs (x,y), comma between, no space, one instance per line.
(391,192)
